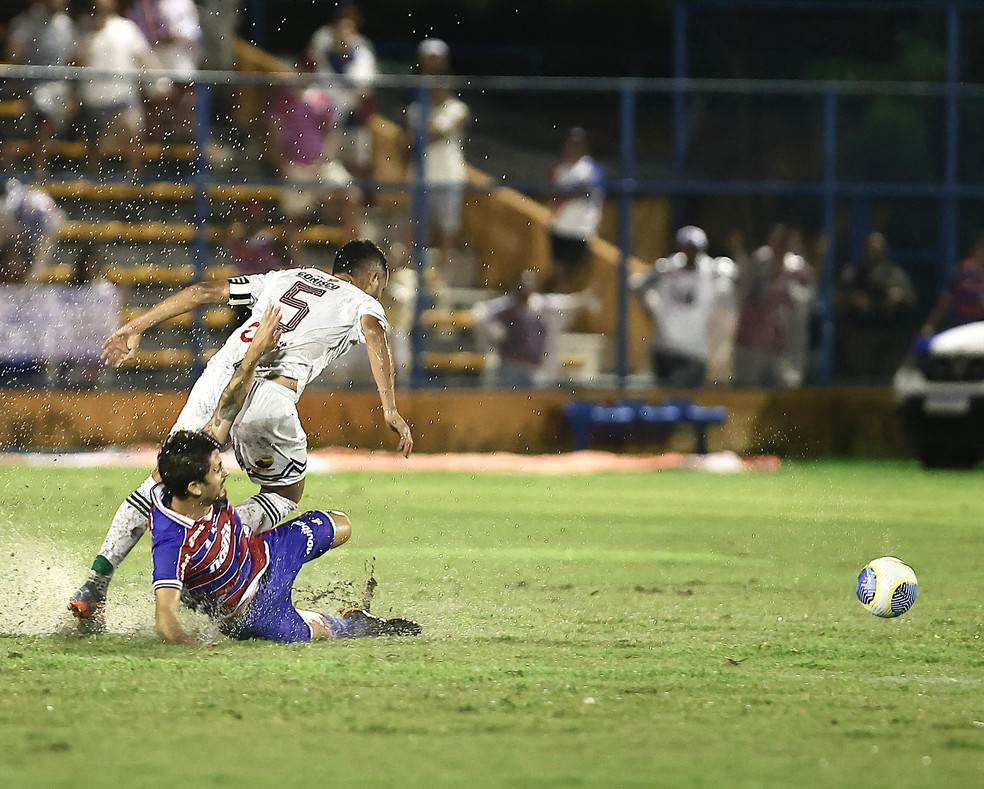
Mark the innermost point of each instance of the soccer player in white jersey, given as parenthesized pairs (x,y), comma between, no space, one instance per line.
(324,315)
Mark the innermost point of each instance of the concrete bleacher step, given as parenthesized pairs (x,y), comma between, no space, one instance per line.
(217,318)
(177,192)
(468,362)
(463,298)
(179,232)
(77,149)
(12,109)
(448,320)
(461,271)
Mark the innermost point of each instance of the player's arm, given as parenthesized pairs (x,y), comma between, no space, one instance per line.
(123,343)
(234,395)
(384,374)
(167,600)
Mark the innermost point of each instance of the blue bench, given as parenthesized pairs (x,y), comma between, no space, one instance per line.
(629,418)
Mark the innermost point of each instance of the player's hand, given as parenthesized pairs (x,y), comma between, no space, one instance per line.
(267,334)
(399,426)
(121,345)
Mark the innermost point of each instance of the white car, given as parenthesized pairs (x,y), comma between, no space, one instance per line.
(940,392)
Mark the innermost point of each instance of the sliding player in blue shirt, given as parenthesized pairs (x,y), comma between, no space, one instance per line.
(201,547)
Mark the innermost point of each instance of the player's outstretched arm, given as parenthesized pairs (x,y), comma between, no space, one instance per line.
(234,395)
(166,622)
(122,344)
(381,363)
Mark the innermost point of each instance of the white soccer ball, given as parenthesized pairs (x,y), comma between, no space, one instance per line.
(887,587)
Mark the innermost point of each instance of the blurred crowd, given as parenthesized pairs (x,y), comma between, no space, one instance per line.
(749,317)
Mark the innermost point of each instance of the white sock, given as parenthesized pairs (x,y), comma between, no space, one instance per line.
(262,512)
(129,524)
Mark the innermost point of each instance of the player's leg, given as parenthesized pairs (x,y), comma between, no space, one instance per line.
(269,441)
(132,517)
(128,526)
(272,616)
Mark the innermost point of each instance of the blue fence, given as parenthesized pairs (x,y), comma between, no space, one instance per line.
(632,108)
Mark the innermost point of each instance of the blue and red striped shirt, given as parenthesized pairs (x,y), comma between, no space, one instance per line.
(215,560)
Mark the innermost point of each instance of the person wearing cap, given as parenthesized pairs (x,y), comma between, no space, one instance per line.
(444,157)
(576,204)
(690,299)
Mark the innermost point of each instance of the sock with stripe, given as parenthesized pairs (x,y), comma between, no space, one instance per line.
(128,526)
(264,511)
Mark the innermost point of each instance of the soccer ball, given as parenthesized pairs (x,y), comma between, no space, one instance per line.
(887,587)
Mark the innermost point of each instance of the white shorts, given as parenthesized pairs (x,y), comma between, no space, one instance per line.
(267,437)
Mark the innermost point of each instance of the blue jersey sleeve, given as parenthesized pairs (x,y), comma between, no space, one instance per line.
(168,539)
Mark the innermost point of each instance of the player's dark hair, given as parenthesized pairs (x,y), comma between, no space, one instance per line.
(184,459)
(355,255)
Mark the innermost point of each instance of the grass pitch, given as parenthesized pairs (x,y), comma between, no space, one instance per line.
(671,629)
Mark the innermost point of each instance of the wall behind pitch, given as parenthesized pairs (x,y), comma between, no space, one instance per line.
(802,423)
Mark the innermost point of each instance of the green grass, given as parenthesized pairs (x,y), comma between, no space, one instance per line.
(580,631)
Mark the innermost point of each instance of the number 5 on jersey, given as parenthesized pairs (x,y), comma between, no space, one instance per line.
(290,298)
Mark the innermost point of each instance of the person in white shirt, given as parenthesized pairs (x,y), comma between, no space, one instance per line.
(346,62)
(444,157)
(174,33)
(44,35)
(111,105)
(323,316)
(690,297)
(576,203)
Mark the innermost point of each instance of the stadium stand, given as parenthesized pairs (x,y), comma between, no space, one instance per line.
(146,234)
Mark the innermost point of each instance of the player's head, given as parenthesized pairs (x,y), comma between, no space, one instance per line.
(365,264)
(191,467)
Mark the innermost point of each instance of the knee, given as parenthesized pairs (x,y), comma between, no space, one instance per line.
(293,492)
(343,528)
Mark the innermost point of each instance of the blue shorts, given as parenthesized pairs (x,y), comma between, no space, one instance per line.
(271,614)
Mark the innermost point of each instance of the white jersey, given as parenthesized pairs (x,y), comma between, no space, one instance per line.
(682,300)
(321,320)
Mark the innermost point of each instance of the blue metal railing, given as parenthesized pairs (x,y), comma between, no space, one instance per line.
(829,189)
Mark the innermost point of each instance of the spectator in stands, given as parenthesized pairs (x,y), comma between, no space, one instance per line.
(444,156)
(875,302)
(93,307)
(962,301)
(251,246)
(775,293)
(400,302)
(576,204)
(345,60)
(29,224)
(304,146)
(522,329)
(219,21)
(173,31)
(690,298)
(44,35)
(111,106)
